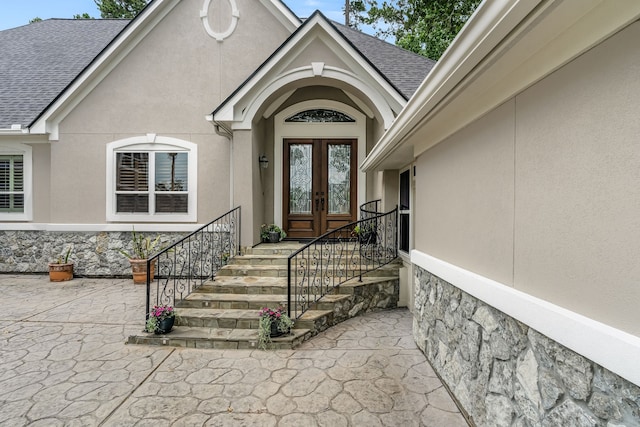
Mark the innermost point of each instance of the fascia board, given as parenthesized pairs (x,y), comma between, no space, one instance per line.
(283,14)
(125,42)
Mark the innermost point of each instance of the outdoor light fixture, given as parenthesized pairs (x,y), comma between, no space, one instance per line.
(264,162)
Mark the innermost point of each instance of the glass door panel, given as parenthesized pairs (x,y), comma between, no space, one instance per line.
(339,177)
(300,178)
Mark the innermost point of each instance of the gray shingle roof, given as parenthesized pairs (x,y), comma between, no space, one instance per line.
(403,69)
(38,61)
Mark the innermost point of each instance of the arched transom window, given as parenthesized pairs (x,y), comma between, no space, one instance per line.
(320,115)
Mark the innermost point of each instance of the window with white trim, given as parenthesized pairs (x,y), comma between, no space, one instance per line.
(152,181)
(15,182)
(405,211)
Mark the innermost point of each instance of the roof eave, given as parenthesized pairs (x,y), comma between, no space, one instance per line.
(486,51)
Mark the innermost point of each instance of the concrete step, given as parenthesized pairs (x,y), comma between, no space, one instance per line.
(218,338)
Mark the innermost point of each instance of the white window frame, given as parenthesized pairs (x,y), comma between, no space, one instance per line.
(17,149)
(410,169)
(151,144)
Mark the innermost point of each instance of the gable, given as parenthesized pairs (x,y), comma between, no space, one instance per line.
(316,54)
(79,86)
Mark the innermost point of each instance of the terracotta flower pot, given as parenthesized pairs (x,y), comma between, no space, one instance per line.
(139,270)
(60,272)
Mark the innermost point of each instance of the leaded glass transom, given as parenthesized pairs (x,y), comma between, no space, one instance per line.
(320,115)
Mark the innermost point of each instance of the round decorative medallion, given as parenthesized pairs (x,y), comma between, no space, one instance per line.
(204,15)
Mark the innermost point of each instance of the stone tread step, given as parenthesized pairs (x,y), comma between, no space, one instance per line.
(263,259)
(218,338)
(275,285)
(248,301)
(238,314)
(282,270)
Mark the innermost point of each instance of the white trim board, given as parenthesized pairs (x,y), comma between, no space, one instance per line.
(615,350)
(96,228)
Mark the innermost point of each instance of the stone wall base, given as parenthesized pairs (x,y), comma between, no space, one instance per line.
(93,253)
(504,373)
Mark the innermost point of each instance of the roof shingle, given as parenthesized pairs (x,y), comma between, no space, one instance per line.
(38,61)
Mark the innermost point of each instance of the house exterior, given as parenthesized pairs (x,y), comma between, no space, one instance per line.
(160,123)
(514,162)
(519,160)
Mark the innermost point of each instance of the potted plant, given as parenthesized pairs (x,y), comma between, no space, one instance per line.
(61,269)
(273,323)
(366,233)
(224,258)
(272,233)
(142,249)
(161,319)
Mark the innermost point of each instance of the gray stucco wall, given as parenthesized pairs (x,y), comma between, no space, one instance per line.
(504,373)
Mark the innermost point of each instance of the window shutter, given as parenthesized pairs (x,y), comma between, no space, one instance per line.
(132,177)
(11,183)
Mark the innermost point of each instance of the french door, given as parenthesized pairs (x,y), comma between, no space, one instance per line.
(320,185)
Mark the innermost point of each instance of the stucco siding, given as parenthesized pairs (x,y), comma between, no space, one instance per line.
(166,86)
(542,193)
(465,194)
(577,175)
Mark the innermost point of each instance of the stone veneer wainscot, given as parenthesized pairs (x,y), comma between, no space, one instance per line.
(504,373)
(94,253)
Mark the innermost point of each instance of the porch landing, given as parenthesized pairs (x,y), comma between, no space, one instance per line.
(223,314)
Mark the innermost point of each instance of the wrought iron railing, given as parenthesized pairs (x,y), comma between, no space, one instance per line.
(369,209)
(338,256)
(178,270)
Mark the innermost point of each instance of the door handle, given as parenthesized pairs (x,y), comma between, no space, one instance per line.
(317,201)
(322,201)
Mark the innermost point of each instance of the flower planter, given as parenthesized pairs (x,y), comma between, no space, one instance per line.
(164,326)
(139,270)
(274,237)
(275,332)
(60,272)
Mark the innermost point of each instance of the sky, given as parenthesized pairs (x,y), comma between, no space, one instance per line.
(14,13)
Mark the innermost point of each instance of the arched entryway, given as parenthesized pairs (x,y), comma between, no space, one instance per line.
(318,146)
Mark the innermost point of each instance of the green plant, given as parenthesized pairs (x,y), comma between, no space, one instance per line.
(158,313)
(267,317)
(64,257)
(143,247)
(266,229)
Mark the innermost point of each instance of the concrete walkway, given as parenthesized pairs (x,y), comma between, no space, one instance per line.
(63,362)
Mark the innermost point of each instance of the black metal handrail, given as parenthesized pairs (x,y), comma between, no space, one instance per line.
(338,256)
(369,209)
(184,266)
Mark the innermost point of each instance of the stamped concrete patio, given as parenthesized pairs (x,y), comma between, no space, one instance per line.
(64,362)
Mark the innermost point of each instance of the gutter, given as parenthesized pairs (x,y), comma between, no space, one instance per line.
(489,25)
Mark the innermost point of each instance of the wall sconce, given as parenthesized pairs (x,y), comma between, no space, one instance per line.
(264,162)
